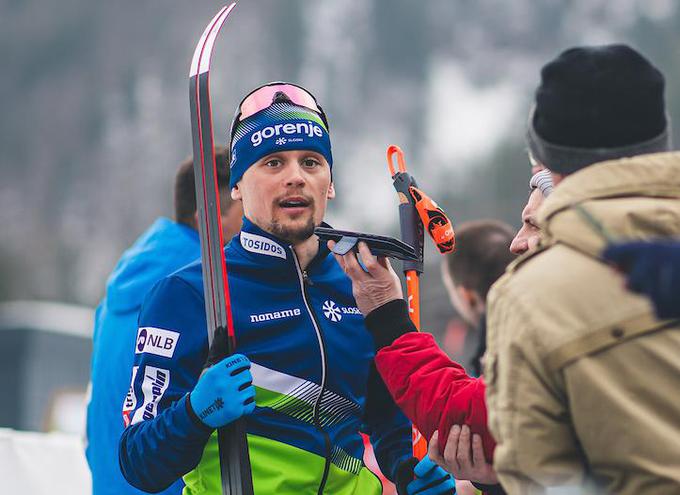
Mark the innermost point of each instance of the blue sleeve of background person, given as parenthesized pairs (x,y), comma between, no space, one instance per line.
(653,269)
(164,442)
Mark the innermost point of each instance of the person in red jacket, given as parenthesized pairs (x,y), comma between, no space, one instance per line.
(436,393)
(433,391)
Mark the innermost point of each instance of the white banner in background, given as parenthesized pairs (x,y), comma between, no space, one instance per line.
(43,464)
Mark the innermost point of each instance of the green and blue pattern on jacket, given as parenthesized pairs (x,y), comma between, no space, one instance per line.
(310,368)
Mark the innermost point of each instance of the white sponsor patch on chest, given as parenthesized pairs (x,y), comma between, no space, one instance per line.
(156,381)
(156,341)
(334,312)
(275,315)
(261,245)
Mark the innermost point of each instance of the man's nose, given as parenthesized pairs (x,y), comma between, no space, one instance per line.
(295,176)
(519,244)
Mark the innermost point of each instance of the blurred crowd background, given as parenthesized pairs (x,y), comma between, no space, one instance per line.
(95,118)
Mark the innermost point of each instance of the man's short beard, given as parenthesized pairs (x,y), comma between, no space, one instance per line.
(290,234)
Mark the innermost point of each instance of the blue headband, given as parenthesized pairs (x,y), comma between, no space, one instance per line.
(280,127)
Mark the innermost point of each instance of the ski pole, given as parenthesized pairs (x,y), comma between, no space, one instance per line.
(235,472)
(417,212)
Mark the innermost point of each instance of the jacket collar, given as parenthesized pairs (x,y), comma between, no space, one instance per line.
(263,247)
(655,175)
(614,201)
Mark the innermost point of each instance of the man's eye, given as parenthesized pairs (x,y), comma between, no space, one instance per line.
(273,163)
(311,162)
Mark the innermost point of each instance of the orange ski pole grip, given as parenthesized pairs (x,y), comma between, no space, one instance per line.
(435,221)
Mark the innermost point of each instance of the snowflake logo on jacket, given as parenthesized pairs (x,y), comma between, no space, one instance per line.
(331,311)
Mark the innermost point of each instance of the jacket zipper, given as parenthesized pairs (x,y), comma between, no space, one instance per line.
(304,280)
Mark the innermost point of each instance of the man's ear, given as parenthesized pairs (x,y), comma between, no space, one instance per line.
(472,298)
(331,191)
(236,193)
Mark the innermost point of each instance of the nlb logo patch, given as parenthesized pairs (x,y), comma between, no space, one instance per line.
(130,401)
(156,341)
(298,130)
(261,245)
(156,381)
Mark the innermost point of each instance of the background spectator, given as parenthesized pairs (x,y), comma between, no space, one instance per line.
(482,253)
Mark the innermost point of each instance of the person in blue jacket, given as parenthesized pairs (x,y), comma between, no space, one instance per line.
(165,246)
(302,376)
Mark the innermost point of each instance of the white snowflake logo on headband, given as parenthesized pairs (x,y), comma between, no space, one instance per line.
(281,141)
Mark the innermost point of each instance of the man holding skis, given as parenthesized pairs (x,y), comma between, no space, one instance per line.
(166,246)
(302,373)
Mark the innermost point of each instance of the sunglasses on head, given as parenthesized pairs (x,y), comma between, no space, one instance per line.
(275,92)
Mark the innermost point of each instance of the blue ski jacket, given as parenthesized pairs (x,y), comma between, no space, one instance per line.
(311,359)
(162,249)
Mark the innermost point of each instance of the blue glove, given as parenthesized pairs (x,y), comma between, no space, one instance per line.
(430,479)
(224,392)
(653,269)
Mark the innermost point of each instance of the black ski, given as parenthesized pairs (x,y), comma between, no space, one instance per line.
(233,446)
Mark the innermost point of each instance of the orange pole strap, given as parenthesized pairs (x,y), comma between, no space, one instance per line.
(392,150)
(413,293)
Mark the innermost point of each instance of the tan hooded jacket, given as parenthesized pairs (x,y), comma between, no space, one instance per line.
(583,382)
